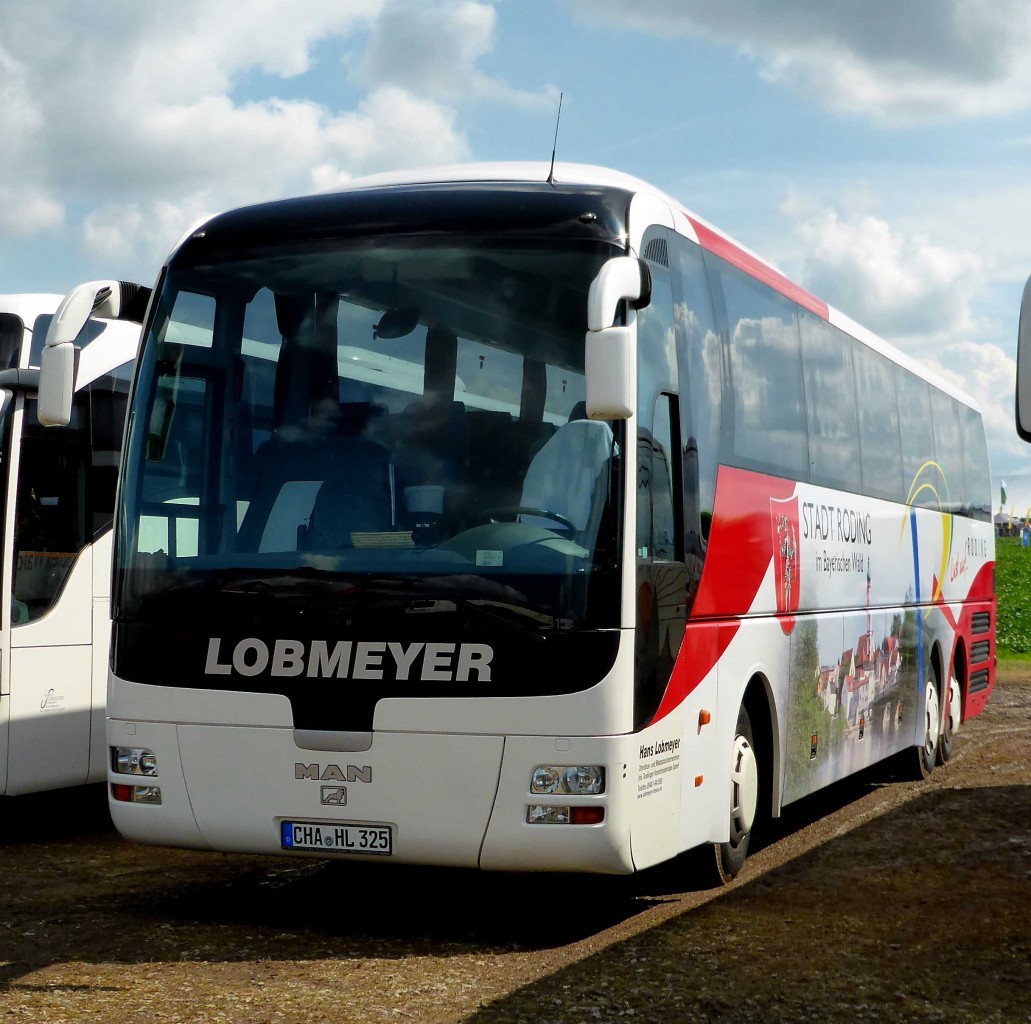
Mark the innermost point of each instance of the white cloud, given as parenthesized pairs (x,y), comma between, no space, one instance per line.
(433,49)
(917,61)
(20,116)
(398,50)
(316,153)
(123,236)
(918,296)
(902,286)
(135,121)
(393,128)
(986,373)
(25,210)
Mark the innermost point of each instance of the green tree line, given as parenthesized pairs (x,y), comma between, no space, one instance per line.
(1013,593)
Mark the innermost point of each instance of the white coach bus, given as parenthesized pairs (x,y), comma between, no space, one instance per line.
(500,518)
(58,492)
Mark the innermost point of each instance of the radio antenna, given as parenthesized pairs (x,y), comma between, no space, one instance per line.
(554,145)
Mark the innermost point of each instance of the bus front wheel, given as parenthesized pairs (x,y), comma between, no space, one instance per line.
(744,801)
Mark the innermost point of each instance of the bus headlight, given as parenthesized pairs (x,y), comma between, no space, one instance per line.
(134,761)
(580,780)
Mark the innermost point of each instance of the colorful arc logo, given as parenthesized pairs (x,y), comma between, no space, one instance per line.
(930,479)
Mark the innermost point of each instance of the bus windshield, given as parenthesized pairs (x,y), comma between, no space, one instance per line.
(389,421)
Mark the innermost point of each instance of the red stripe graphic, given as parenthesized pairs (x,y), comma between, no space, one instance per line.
(725,249)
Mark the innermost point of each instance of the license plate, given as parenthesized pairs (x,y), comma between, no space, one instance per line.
(336,837)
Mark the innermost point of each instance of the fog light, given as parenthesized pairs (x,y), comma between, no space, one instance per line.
(133,761)
(580,779)
(540,815)
(135,794)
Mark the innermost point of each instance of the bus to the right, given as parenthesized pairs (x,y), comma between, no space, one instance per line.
(1023,392)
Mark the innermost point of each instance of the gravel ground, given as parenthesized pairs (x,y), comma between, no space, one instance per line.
(878,900)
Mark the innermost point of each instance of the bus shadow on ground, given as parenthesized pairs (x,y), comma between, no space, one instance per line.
(61,814)
(459,910)
(934,889)
(75,890)
(936,853)
(917,915)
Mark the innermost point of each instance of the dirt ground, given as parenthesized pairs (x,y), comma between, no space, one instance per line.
(878,900)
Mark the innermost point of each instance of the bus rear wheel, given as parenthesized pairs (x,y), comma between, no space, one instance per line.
(922,758)
(744,802)
(951,720)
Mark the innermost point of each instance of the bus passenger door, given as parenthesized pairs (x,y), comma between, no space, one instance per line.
(49,574)
(10,332)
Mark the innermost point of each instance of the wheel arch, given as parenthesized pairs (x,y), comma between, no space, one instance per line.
(961,668)
(759,702)
(944,662)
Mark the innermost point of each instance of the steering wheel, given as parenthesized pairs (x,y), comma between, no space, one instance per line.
(495,515)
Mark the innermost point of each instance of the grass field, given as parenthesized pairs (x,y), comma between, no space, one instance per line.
(1013,592)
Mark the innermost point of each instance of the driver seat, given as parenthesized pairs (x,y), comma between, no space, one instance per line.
(569,476)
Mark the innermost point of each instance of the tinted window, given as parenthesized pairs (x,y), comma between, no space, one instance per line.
(977,475)
(66,490)
(949,447)
(656,523)
(11,331)
(656,374)
(830,403)
(920,472)
(768,429)
(701,381)
(880,447)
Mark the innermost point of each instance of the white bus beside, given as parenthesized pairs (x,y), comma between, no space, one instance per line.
(495,518)
(1023,393)
(58,491)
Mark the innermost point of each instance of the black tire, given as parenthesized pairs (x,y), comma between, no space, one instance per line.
(727,859)
(917,763)
(951,718)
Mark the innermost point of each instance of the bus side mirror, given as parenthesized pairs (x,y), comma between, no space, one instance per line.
(1024,366)
(56,384)
(609,354)
(115,300)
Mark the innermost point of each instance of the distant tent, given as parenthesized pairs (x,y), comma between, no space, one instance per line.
(1006,520)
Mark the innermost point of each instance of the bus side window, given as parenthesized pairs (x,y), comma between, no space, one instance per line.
(920,472)
(108,399)
(880,443)
(766,407)
(701,375)
(50,515)
(664,585)
(11,330)
(656,518)
(830,403)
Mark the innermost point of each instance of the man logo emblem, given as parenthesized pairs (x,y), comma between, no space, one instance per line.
(336,795)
